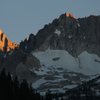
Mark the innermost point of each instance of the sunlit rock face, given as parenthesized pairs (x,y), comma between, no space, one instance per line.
(70,15)
(5,44)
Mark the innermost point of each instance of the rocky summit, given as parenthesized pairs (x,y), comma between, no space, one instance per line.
(6,44)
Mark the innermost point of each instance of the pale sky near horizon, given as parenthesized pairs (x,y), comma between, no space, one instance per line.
(19,18)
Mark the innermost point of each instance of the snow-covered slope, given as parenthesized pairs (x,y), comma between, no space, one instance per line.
(85,63)
(60,70)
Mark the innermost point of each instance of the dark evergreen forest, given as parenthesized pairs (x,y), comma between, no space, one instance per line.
(12,89)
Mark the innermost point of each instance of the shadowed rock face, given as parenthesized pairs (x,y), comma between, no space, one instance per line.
(68,33)
(28,44)
(20,63)
(5,44)
(24,68)
(76,35)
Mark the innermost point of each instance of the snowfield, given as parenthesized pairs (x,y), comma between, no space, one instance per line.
(85,63)
(59,69)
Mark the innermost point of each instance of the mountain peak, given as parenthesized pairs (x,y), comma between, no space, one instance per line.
(70,15)
(5,43)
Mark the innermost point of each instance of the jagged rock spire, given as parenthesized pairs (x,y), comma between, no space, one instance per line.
(6,44)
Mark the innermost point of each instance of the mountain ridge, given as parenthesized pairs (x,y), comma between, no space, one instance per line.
(62,54)
(82,32)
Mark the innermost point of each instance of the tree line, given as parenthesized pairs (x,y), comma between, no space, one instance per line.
(12,89)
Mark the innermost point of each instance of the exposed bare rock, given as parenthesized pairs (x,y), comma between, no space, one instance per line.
(23,72)
(6,44)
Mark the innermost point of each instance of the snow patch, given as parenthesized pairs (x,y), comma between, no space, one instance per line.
(69,36)
(36,84)
(70,86)
(57,32)
(88,64)
(78,24)
(84,37)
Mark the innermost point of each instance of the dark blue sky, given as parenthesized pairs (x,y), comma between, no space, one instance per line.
(19,18)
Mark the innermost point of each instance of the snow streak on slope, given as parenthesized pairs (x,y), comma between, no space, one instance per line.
(60,71)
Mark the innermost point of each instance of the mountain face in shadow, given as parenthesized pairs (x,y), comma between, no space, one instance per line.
(67,33)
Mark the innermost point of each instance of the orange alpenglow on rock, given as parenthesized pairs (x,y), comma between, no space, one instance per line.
(70,15)
(6,44)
